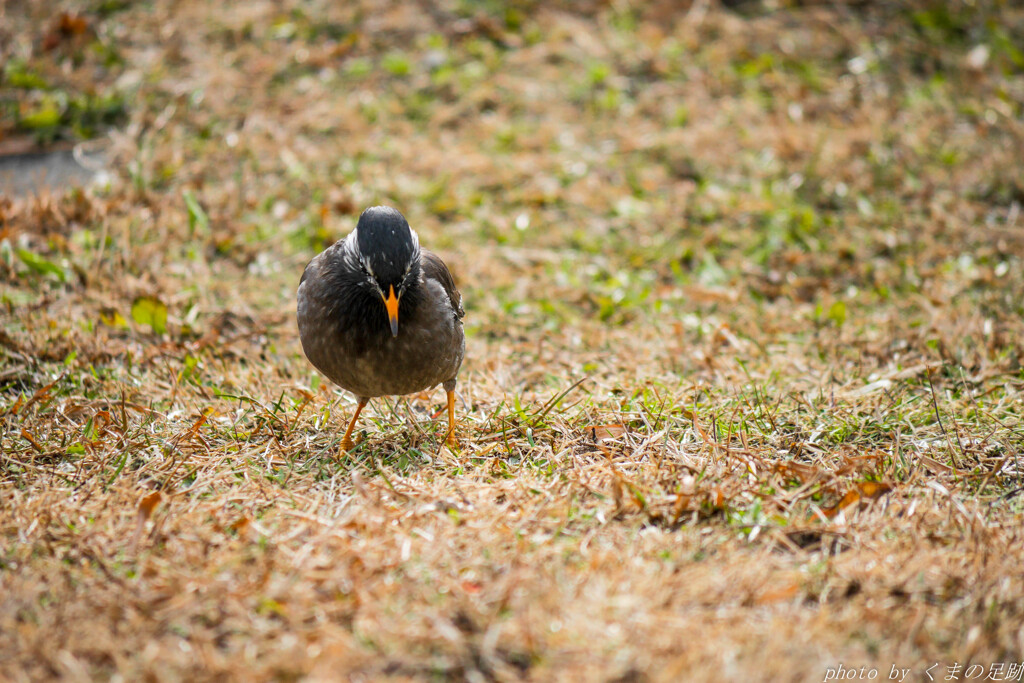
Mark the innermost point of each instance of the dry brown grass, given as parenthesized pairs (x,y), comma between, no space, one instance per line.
(743,392)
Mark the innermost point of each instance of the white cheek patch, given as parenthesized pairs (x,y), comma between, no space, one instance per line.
(351,245)
(415,250)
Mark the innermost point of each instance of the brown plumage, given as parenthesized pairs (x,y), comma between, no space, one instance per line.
(380,316)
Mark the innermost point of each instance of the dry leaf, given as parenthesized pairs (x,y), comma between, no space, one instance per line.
(873,489)
(933,465)
(784,592)
(864,490)
(799,471)
(241,525)
(28,437)
(609,431)
(849,499)
(146,507)
(148,504)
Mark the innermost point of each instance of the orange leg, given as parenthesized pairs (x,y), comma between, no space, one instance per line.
(450,436)
(346,441)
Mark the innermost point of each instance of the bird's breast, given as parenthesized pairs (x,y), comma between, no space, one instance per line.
(366,359)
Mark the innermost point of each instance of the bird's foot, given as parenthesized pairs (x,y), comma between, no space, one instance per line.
(346,441)
(449,437)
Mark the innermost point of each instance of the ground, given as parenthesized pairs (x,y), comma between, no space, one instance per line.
(744,304)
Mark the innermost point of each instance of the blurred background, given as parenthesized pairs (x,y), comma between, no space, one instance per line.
(745,310)
(627,191)
(836,154)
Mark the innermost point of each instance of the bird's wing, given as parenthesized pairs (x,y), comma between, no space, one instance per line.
(320,259)
(305,273)
(434,267)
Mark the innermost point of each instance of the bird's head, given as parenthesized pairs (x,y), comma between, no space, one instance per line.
(387,252)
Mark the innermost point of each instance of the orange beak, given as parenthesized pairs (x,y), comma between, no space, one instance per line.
(391,303)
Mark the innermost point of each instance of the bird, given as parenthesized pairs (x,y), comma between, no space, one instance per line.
(380,316)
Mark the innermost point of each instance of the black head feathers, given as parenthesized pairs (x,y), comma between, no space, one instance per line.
(388,248)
